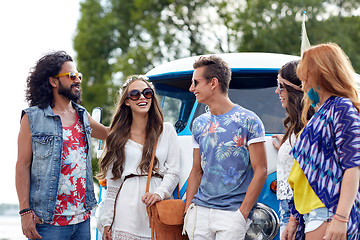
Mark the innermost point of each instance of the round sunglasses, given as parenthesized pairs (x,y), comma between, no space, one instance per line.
(136,94)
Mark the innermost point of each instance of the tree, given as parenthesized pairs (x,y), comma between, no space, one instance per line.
(274,26)
(93,44)
(117,38)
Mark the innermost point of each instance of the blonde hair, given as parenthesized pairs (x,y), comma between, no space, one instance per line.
(331,71)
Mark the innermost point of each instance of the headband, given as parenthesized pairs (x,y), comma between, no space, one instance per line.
(133,77)
(282,80)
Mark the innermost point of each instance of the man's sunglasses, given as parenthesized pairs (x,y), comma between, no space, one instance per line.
(72,76)
(136,94)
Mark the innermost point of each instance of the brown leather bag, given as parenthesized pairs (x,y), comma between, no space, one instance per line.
(165,217)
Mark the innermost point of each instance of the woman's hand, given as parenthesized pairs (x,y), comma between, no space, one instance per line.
(290,231)
(336,230)
(277,141)
(107,233)
(150,198)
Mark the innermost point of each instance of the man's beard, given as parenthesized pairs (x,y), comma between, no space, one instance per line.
(67,92)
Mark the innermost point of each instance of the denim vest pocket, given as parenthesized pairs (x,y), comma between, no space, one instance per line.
(43,146)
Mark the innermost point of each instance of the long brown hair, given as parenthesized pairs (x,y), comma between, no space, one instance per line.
(292,121)
(114,150)
(331,71)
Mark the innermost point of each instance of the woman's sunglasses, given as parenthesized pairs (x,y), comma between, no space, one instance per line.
(72,76)
(136,94)
(280,86)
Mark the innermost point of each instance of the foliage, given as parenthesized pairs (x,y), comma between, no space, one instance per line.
(117,38)
(275,26)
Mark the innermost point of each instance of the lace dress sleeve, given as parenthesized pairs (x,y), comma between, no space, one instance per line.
(109,201)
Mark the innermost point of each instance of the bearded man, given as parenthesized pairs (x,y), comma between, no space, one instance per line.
(54,180)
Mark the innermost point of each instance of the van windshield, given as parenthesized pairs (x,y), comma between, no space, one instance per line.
(255,92)
(264,102)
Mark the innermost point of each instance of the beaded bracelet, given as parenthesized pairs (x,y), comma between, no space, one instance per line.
(339,219)
(27,212)
(24,210)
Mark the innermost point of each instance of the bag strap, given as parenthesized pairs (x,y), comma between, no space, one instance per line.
(151,167)
(150,171)
(148,210)
(178,191)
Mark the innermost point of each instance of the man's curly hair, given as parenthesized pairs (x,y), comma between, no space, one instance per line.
(38,89)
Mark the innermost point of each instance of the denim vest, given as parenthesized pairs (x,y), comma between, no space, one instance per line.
(47,142)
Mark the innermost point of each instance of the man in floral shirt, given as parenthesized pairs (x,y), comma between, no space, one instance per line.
(53,171)
(229,160)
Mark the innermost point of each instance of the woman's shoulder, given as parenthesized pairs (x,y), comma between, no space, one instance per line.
(343,104)
(168,127)
(168,131)
(342,101)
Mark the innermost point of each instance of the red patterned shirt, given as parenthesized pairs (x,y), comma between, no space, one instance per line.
(69,207)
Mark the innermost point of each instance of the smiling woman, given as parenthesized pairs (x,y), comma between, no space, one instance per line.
(137,129)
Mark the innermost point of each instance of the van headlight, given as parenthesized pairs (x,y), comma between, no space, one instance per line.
(265,223)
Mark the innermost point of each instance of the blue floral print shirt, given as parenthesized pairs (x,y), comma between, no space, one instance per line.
(223,142)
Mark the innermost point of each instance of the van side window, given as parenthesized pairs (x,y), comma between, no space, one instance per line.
(170,108)
(263,101)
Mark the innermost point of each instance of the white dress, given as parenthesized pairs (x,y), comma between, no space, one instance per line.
(131,220)
(284,165)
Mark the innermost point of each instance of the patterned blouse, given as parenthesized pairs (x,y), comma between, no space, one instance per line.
(327,147)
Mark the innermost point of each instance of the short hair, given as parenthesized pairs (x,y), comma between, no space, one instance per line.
(215,67)
(38,89)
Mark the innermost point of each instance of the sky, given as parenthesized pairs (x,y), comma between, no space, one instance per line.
(28,30)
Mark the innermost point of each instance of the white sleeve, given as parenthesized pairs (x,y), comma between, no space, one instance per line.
(195,143)
(113,187)
(172,163)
